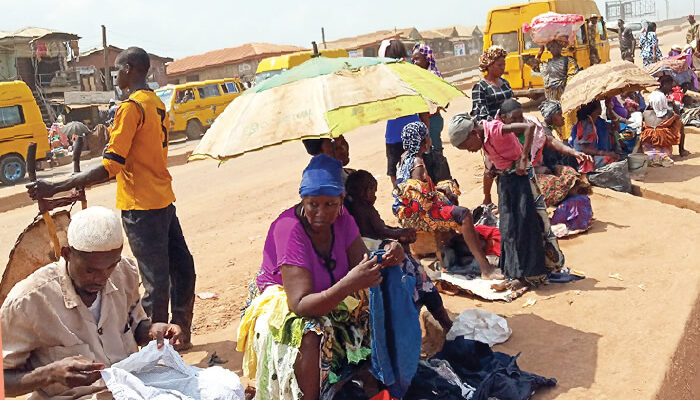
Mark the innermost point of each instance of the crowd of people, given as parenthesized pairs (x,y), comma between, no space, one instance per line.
(307,323)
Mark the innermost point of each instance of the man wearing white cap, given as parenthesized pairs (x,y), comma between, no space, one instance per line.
(68,320)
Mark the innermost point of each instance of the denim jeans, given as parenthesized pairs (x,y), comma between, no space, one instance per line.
(165,263)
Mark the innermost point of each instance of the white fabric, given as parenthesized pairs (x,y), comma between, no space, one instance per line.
(635,121)
(444,369)
(96,307)
(95,229)
(481,326)
(382,47)
(153,374)
(478,287)
(659,103)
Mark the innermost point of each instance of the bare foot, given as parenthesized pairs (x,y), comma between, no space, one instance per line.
(493,275)
(514,285)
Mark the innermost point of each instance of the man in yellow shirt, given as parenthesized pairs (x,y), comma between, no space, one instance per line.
(137,155)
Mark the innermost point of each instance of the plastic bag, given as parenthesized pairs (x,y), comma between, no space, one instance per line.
(153,374)
(481,326)
(550,26)
(615,176)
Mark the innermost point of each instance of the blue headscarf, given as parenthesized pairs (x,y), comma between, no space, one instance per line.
(322,177)
(412,136)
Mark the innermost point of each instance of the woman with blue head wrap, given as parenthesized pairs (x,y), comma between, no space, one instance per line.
(313,259)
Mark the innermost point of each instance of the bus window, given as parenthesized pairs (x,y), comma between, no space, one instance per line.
(183,96)
(601,30)
(529,44)
(232,88)
(508,41)
(11,116)
(581,37)
(208,91)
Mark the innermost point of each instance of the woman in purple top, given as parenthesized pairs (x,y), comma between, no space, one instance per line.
(315,253)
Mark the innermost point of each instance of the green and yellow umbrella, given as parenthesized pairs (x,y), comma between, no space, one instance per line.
(323,97)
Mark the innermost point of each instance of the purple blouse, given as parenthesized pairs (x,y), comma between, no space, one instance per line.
(288,244)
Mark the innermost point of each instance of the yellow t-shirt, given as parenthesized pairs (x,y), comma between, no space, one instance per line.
(137,153)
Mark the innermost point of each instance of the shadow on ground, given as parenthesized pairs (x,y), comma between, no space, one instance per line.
(554,351)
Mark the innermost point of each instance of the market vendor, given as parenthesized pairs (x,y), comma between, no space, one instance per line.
(313,282)
(68,320)
(662,128)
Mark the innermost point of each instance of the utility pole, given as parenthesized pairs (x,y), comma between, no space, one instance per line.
(105,51)
(323,37)
(668,16)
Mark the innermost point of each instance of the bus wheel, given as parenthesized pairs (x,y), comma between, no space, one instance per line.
(194,130)
(12,169)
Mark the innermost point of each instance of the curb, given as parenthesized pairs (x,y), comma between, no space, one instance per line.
(17,200)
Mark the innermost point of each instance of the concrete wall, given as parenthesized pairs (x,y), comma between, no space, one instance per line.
(455,64)
(96,59)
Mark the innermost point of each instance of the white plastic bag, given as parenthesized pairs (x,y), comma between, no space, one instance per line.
(153,374)
(481,326)
(550,26)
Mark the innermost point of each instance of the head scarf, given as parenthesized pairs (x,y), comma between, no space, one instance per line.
(428,53)
(490,55)
(412,136)
(631,103)
(550,108)
(323,177)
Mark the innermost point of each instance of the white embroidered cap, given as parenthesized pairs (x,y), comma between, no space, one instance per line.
(95,229)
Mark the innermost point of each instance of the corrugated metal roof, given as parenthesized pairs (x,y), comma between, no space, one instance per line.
(33,33)
(373,38)
(228,56)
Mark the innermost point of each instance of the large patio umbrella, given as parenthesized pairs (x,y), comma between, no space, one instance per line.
(604,80)
(324,97)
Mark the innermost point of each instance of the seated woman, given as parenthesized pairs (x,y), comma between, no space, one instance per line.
(591,135)
(312,309)
(529,250)
(551,158)
(361,188)
(422,206)
(662,127)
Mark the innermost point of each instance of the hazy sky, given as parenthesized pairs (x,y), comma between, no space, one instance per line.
(178,28)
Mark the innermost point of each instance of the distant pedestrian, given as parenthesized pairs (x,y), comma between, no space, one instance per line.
(649,44)
(557,71)
(593,40)
(435,161)
(627,42)
(693,32)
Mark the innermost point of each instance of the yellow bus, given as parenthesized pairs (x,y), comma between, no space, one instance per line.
(272,66)
(193,106)
(20,124)
(504,27)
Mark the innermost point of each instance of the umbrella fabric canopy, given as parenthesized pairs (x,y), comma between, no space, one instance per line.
(323,97)
(75,128)
(604,80)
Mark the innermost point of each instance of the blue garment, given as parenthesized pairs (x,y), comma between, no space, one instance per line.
(493,374)
(396,333)
(395,126)
(436,125)
(601,127)
(322,177)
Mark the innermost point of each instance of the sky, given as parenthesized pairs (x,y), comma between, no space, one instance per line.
(178,28)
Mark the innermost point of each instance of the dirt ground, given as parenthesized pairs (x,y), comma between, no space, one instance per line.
(601,337)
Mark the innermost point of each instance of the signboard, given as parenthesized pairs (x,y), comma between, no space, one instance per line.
(460,49)
(244,68)
(355,53)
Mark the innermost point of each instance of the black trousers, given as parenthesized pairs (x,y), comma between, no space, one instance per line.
(165,263)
